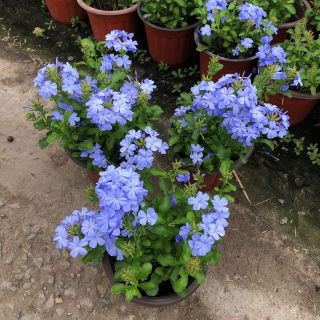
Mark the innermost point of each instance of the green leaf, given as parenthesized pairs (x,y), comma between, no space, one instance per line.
(167,260)
(86,145)
(147,285)
(269,143)
(164,185)
(181,283)
(39,126)
(94,255)
(146,269)
(152,292)
(117,76)
(158,172)
(165,205)
(53,137)
(200,276)
(225,166)
(118,288)
(201,47)
(173,140)
(212,257)
(132,292)
(164,231)
(67,115)
(148,183)
(43,143)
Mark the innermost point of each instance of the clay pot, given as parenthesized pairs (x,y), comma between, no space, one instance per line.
(297,107)
(103,22)
(229,65)
(145,300)
(284,27)
(94,176)
(172,46)
(63,10)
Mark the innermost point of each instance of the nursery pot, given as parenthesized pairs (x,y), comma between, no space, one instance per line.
(297,107)
(94,176)
(103,22)
(297,18)
(229,65)
(157,301)
(172,46)
(63,10)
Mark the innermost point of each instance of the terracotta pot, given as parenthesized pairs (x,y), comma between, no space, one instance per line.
(63,10)
(103,22)
(145,300)
(229,65)
(284,27)
(172,46)
(94,176)
(298,107)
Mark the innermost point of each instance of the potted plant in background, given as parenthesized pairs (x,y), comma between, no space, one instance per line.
(63,10)
(218,122)
(169,29)
(96,106)
(313,15)
(106,16)
(288,13)
(231,32)
(303,52)
(157,247)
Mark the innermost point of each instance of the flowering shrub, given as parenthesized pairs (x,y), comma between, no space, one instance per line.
(303,51)
(95,105)
(282,10)
(173,14)
(234,29)
(313,15)
(171,237)
(110,5)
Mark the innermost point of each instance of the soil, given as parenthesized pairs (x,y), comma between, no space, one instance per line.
(270,266)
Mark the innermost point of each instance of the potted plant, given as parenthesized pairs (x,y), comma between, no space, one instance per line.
(232,32)
(105,16)
(288,13)
(169,29)
(313,15)
(303,52)
(95,106)
(156,245)
(218,122)
(63,10)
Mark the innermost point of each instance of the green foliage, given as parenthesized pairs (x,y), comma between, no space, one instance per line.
(110,5)
(171,14)
(313,15)
(163,66)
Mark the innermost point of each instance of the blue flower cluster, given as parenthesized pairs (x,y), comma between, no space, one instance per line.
(138,146)
(234,99)
(120,40)
(213,222)
(120,193)
(97,156)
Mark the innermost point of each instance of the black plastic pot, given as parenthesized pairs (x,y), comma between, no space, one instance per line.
(145,300)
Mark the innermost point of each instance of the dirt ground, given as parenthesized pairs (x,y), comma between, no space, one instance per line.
(264,273)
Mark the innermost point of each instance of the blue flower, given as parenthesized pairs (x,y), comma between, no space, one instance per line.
(147,217)
(183,177)
(246,43)
(48,89)
(200,201)
(73,119)
(184,231)
(200,245)
(77,247)
(205,30)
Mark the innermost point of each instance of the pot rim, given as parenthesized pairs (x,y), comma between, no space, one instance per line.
(288,25)
(150,301)
(236,164)
(191,26)
(79,162)
(198,41)
(306,96)
(106,12)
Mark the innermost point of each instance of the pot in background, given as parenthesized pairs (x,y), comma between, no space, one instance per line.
(63,10)
(229,65)
(172,46)
(103,22)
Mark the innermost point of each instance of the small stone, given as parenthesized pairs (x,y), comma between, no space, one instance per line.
(17,313)
(56,254)
(101,290)
(18,276)
(41,297)
(50,302)
(35,229)
(27,276)
(87,305)
(147,59)
(281,201)
(59,300)
(105,301)
(1,203)
(13,288)
(78,306)
(38,262)
(284,220)
(59,311)
(69,314)
(51,280)
(27,285)
(87,280)
(123,308)
(31,236)
(10,138)
(24,257)
(14,206)
(70,292)
(8,261)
